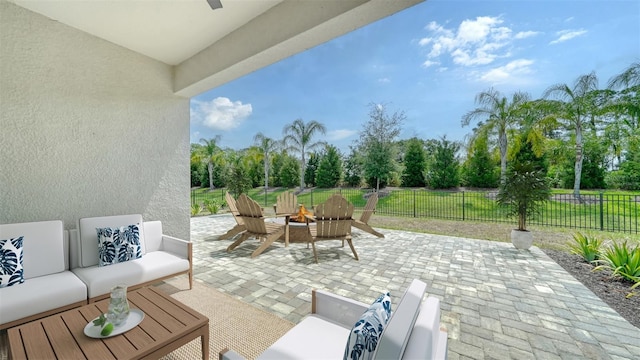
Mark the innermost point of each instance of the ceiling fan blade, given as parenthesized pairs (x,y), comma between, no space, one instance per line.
(215,4)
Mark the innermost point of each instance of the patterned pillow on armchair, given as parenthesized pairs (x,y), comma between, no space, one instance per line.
(366,333)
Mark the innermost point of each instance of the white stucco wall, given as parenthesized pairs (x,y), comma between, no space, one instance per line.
(87,128)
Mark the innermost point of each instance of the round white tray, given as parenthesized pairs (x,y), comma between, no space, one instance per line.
(135,318)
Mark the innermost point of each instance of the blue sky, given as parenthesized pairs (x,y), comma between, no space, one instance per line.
(429,61)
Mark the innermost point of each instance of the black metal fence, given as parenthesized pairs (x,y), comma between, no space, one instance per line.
(601,211)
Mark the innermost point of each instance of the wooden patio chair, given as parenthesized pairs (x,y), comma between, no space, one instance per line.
(251,213)
(286,204)
(240,227)
(369,209)
(332,222)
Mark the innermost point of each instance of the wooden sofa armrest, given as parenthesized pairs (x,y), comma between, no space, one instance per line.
(339,309)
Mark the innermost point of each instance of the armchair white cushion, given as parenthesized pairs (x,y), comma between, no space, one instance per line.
(412,332)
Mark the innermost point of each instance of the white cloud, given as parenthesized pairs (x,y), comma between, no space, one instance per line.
(509,72)
(340,134)
(429,63)
(384,80)
(565,35)
(220,113)
(526,34)
(475,42)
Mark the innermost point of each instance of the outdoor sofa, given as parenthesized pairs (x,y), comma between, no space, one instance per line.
(49,287)
(412,332)
(162,256)
(60,267)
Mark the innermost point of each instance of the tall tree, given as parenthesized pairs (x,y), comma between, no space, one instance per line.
(575,110)
(330,168)
(414,164)
(353,168)
(312,169)
(480,169)
(298,138)
(628,78)
(378,143)
(209,153)
(499,114)
(267,145)
(443,173)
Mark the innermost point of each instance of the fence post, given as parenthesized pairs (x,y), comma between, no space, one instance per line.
(311,198)
(463,206)
(414,203)
(601,212)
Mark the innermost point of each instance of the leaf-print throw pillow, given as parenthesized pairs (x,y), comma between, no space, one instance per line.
(366,333)
(116,245)
(11,272)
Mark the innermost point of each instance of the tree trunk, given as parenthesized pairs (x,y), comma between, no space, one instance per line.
(578,165)
(302,162)
(503,157)
(210,168)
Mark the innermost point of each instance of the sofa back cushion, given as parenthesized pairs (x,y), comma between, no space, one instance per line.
(43,246)
(397,332)
(89,235)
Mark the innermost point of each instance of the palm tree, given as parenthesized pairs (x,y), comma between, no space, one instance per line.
(628,78)
(210,152)
(267,145)
(297,138)
(499,115)
(575,109)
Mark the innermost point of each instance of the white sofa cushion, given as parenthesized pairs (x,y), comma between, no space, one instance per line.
(11,262)
(89,236)
(40,294)
(152,266)
(313,338)
(43,246)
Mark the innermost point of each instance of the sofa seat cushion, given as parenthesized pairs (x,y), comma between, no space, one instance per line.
(40,294)
(152,266)
(313,338)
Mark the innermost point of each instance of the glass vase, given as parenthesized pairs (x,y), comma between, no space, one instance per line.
(118,305)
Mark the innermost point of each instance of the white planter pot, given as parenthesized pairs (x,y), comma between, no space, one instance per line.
(521,239)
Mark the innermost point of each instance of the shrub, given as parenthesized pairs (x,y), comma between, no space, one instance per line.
(195,209)
(622,260)
(586,246)
(212,206)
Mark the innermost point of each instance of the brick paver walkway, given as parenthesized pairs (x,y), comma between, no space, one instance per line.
(497,302)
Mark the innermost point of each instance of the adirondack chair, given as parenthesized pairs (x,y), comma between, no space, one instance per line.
(240,227)
(332,222)
(286,204)
(369,209)
(251,214)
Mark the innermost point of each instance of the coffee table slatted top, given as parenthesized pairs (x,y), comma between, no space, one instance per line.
(167,325)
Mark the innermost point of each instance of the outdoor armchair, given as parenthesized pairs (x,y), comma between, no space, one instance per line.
(251,214)
(239,227)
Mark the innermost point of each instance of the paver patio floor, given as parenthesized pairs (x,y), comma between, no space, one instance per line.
(497,302)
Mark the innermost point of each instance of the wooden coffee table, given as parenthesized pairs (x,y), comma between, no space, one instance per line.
(167,325)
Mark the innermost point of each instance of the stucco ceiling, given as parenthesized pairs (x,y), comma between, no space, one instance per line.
(170,31)
(209,47)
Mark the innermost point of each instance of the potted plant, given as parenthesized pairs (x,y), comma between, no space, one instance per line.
(523,192)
